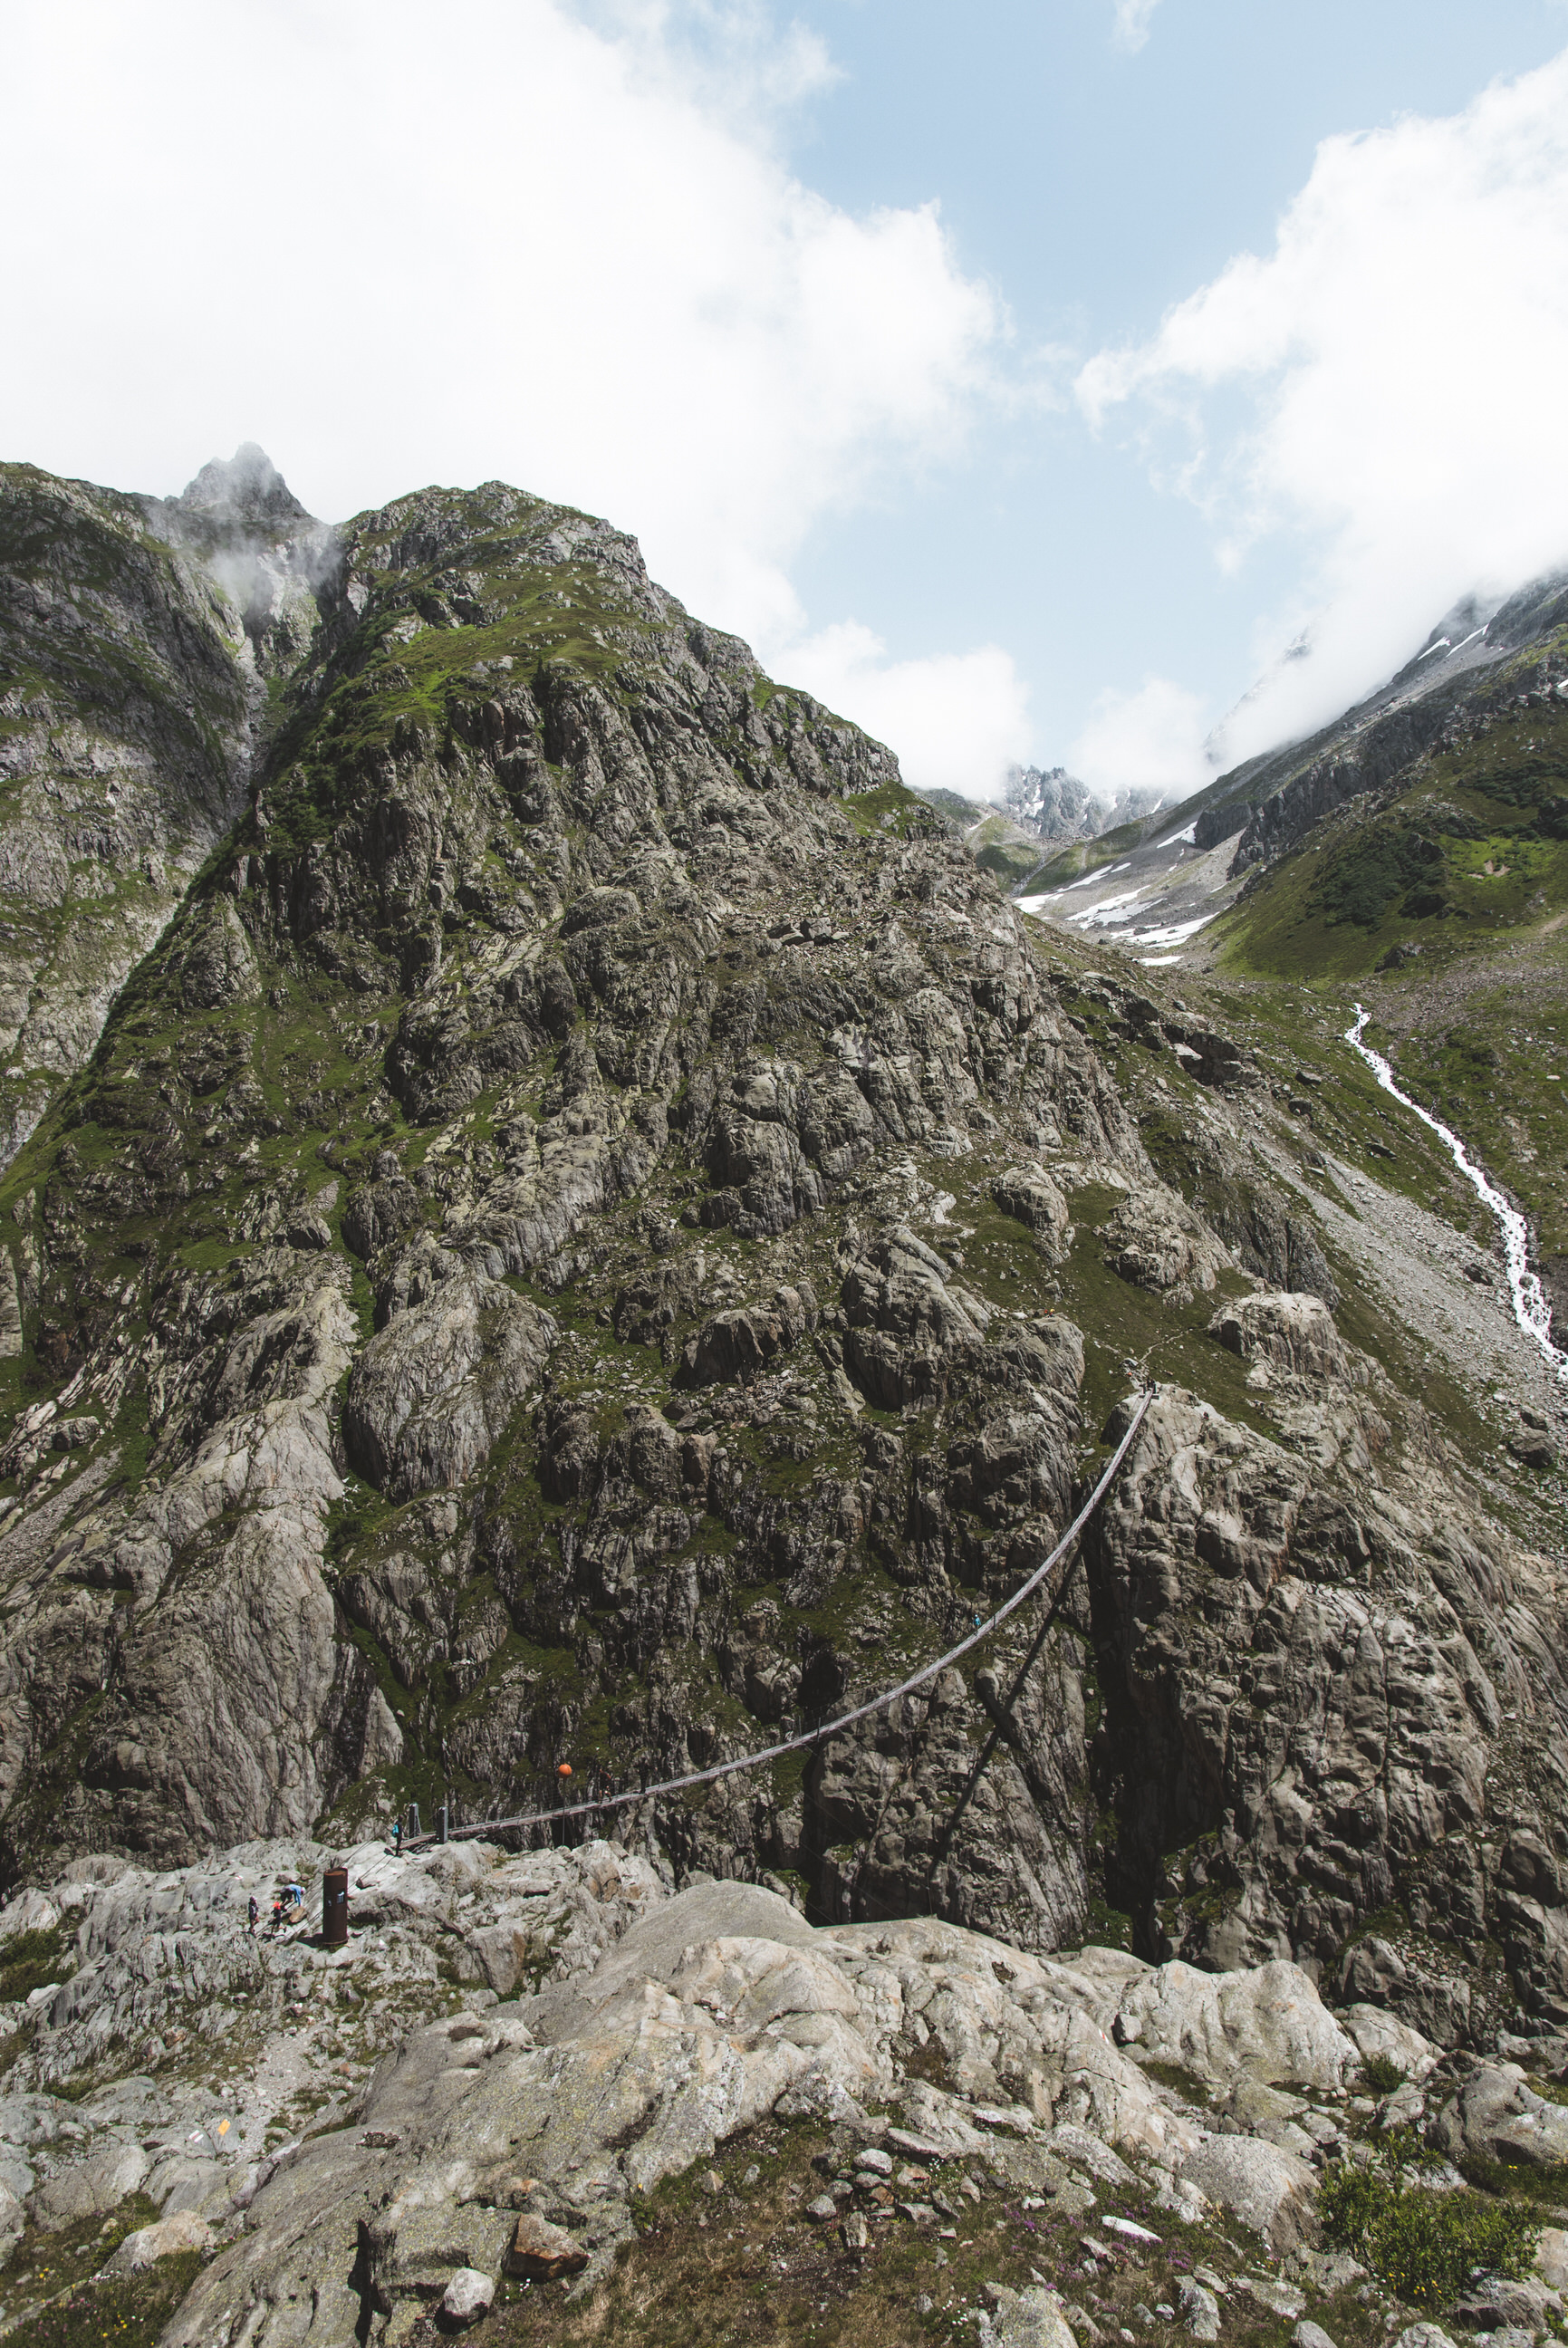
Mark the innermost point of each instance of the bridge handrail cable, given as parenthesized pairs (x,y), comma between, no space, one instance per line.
(827,1728)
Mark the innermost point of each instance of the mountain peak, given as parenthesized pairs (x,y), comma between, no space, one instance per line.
(246,486)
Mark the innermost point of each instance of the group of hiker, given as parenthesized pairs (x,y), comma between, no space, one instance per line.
(288,1905)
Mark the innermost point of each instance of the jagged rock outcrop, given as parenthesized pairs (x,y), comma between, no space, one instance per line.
(1294,1333)
(513,2048)
(1384,749)
(1497,2116)
(1055,806)
(437,1385)
(1306,1668)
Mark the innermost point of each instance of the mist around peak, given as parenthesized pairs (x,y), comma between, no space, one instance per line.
(245,488)
(256,542)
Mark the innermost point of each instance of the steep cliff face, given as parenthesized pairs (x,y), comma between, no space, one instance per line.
(1333,1696)
(137,637)
(595,1233)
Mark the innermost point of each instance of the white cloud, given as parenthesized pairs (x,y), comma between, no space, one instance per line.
(1152,739)
(513,238)
(1132,21)
(1401,353)
(956,720)
(730,52)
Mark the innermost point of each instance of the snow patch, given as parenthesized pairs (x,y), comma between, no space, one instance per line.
(1108,914)
(1176,933)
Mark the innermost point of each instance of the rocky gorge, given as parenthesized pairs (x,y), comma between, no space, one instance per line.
(583,1230)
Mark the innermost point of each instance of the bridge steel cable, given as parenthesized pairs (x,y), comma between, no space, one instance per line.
(827,1728)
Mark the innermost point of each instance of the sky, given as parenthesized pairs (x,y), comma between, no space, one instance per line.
(1023,379)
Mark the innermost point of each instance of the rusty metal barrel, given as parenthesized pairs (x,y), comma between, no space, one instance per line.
(335,1907)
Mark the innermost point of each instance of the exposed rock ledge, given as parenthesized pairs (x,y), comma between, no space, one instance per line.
(657,2026)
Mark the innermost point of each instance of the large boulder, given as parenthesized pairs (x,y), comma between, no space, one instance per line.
(1200,2309)
(1377,2031)
(1523,2304)
(1268,2022)
(90,2187)
(1294,1333)
(1269,2190)
(1155,1240)
(555,1911)
(1433,1999)
(1256,2025)
(165,2239)
(907,1322)
(1497,2115)
(467,2298)
(739,1342)
(1029,1195)
(1025,2319)
(1552,2258)
(12,2221)
(1008,2026)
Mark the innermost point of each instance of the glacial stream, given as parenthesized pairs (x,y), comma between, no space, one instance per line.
(1531,1308)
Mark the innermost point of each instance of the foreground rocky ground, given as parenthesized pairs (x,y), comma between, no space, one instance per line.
(540,2092)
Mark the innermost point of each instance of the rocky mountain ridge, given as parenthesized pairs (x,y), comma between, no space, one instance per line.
(1055,804)
(1478,665)
(596,1230)
(1038,811)
(1272,799)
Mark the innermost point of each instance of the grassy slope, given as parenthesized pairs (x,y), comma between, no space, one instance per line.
(1469,865)
(1081,857)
